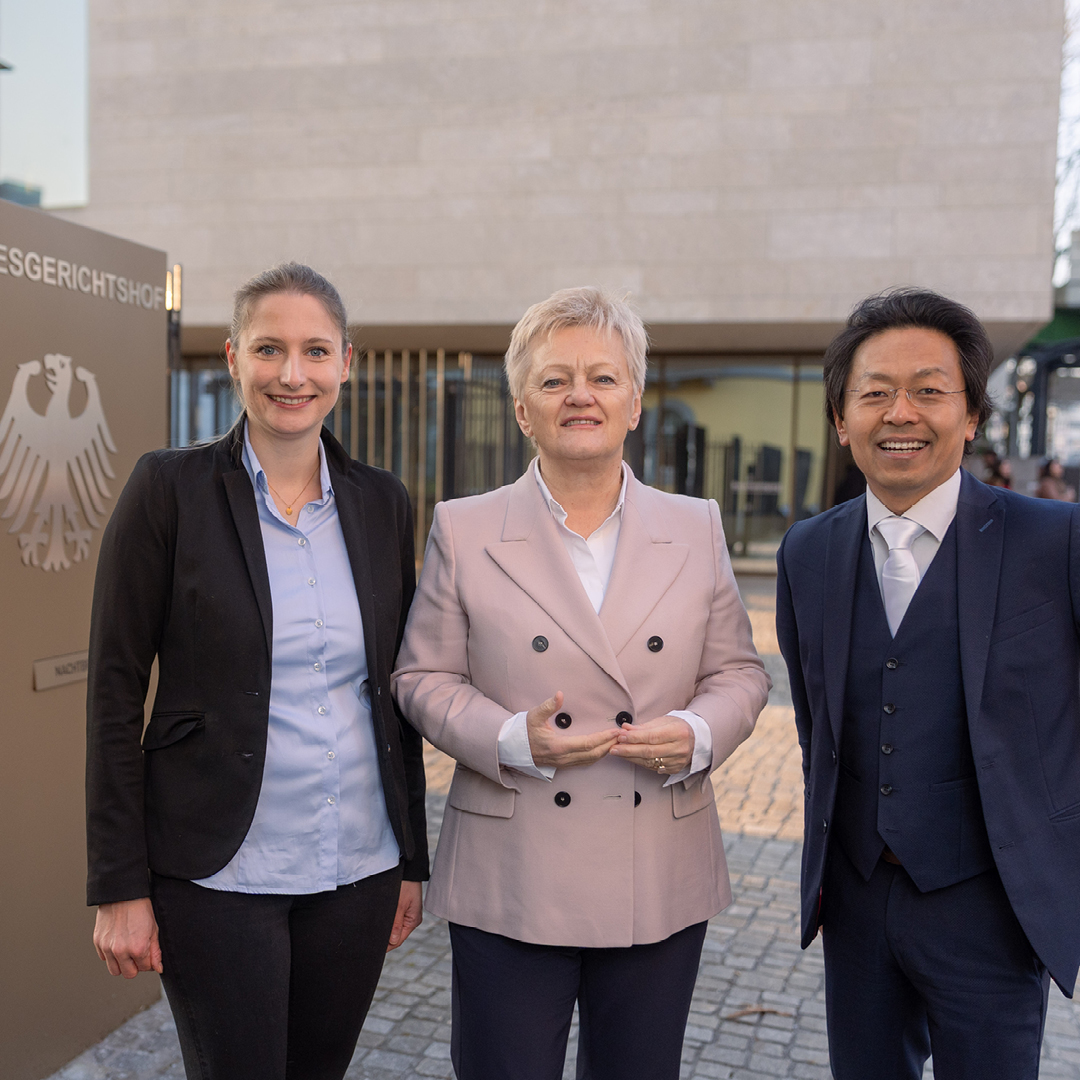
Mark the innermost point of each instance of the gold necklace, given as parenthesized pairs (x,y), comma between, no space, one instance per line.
(289,502)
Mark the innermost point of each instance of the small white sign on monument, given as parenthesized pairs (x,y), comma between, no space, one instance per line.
(60,670)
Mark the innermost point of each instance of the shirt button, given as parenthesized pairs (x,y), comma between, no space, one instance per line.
(311,581)
(318,667)
(322,710)
(331,755)
(318,623)
(889,708)
(310,509)
(301,541)
(331,800)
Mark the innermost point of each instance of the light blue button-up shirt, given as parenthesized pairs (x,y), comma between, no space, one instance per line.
(321,818)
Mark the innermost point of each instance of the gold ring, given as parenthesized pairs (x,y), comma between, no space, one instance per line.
(658,762)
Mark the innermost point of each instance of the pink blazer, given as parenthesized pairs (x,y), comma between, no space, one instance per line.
(604,855)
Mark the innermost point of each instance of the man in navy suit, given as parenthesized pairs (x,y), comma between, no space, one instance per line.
(930,630)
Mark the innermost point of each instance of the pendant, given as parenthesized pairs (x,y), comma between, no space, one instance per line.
(288,511)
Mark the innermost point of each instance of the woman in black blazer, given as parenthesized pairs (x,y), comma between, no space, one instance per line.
(262,842)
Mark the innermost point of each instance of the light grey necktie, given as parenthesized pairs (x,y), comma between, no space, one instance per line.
(900,574)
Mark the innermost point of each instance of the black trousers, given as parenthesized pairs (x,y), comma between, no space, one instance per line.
(272,987)
(513,1003)
(908,972)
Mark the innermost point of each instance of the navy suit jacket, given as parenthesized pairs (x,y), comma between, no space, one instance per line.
(1018,591)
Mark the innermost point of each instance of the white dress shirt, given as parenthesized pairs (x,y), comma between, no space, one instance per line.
(321,818)
(934,512)
(593,557)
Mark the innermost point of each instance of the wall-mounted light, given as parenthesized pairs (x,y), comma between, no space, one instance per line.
(172,288)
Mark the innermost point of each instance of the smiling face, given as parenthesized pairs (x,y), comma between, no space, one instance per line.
(289,365)
(903,451)
(579,400)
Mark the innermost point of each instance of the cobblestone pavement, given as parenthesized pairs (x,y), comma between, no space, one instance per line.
(758,1009)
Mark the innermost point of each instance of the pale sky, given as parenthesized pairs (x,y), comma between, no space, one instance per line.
(1067,203)
(43,107)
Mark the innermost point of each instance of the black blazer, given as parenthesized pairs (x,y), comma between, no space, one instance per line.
(182,577)
(1018,598)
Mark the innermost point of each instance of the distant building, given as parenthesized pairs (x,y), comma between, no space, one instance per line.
(747,170)
(1037,392)
(24,194)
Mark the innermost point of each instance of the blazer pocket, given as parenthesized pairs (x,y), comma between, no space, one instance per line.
(1022,623)
(953,785)
(476,794)
(1068,813)
(167,728)
(684,803)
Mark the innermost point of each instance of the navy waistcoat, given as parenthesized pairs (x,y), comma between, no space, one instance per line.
(907,777)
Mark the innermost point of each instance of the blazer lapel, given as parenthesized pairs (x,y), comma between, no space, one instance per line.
(841,565)
(532,555)
(980,535)
(353,517)
(245,515)
(646,564)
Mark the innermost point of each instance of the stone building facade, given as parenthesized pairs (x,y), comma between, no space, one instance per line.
(746,169)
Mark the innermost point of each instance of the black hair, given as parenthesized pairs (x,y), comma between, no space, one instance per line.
(899,308)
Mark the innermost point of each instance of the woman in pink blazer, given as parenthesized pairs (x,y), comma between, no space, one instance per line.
(578,644)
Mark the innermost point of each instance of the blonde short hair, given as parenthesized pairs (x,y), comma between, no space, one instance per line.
(584,306)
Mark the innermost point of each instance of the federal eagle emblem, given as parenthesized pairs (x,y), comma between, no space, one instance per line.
(54,466)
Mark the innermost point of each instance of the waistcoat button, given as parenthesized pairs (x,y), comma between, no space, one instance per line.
(889,708)
(892,663)
(655,644)
(886,789)
(886,748)
(563,720)
(562,798)
(623,718)
(540,643)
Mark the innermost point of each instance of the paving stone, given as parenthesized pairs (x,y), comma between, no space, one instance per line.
(431,1067)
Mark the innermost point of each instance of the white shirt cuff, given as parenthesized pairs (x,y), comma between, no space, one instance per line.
(702,756)
(516,753)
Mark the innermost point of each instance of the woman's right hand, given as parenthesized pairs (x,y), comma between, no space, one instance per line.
(126,937)
(550,746)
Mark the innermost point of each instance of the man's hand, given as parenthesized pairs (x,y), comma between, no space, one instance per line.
(410,913)
(665,745)
(550,746)
(126,937)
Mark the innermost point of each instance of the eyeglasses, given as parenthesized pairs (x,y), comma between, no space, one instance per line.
(880,398)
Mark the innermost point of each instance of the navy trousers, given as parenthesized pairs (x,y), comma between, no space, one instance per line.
(910,973)
(513,1003)
(272,987)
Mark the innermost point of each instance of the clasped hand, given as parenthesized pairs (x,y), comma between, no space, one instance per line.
(665,745)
